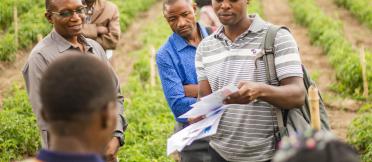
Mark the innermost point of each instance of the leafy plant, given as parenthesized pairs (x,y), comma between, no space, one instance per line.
(328,33)
(360,135)
(7,6)
(150,119)
(19,134)
(362,9)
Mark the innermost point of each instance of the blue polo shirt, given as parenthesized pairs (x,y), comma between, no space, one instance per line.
(176,65)
(49,156)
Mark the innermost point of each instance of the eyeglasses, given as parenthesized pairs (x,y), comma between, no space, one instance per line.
(69,13)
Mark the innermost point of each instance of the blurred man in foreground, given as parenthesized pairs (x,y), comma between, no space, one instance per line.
(80,112)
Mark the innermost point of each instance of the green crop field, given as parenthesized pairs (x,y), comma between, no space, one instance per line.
(150,119)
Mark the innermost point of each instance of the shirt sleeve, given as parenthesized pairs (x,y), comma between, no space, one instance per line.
(32,74)
(199,66)
(90,31)
(111,39)
(287,56)
(121,120)
(172,86)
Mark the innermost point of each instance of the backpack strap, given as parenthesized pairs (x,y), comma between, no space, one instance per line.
(269,61)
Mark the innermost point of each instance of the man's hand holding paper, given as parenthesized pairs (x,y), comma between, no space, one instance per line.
(248,92)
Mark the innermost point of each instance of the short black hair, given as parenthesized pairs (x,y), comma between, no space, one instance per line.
(74,87)
(202,3)
(170,2)
(49,5)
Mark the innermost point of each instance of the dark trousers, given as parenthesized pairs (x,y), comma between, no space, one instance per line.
(216,157)
(196,152)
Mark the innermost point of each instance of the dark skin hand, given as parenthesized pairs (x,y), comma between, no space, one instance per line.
(290,94)
(204,88)
(102,30)
(208,91)
(196,119)
(191,90)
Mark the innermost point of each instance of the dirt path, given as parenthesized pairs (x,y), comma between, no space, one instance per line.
(355,32)
(10,73)
(279,12)
(130,42)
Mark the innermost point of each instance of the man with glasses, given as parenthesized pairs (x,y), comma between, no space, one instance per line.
(102,24)
(67,17)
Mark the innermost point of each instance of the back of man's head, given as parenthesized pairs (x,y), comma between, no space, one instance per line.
(73,88)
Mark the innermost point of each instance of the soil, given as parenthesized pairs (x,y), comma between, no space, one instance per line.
(130,42)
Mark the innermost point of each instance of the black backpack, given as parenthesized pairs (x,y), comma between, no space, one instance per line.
(293,120)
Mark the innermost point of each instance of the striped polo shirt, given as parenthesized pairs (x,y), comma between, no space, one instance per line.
(245,132)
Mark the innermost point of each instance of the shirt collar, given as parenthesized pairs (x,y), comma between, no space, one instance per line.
(49,156)
(63,44)
(258,24)
(181,43)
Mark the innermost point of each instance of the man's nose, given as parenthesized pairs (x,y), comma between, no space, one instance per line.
(182,22)
(225,5)
(75,17)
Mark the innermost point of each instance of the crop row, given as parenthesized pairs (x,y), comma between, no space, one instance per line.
(150,119)
(362,9)
(328,33)
(6,10)
(32,23)
(360,132)
(19,135)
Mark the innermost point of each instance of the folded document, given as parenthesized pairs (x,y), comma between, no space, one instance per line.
(212,107)
(209,103)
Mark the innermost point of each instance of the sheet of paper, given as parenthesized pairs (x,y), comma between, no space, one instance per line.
(209,103)
(198,130)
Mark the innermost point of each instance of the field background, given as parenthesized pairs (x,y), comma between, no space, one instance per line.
(331,35)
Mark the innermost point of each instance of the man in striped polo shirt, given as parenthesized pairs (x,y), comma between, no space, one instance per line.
(246,129)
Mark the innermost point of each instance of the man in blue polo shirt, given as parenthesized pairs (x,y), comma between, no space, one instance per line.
(176,64)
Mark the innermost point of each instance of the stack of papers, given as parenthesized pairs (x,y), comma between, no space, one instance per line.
(210,106)
(209,103)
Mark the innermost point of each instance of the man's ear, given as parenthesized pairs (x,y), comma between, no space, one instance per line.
(48,16)
(194,6)
(107,114)
(43,115)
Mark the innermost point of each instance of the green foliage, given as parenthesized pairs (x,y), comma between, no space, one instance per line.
(360,135)
(255,6)
(315,76)
(328,33)
(130,8)
(6,10)
(19,134)
(32,22)
(150,119)
(362,9)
